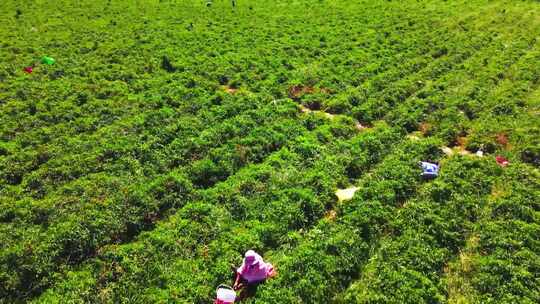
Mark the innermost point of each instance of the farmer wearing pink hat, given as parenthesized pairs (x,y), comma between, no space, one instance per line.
(252,272)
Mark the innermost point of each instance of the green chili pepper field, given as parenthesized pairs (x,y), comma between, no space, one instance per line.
(146,145)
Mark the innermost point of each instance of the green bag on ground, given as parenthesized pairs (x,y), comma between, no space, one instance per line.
(47,60)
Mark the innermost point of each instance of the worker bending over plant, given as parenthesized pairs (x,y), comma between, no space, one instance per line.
(251,273)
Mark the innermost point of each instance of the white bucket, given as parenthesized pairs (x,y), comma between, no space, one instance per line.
(225,294)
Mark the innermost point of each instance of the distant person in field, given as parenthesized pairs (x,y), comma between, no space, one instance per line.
(251,273)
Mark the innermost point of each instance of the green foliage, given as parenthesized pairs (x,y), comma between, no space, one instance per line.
(169,137)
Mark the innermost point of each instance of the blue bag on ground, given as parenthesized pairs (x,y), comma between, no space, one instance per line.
(429,169)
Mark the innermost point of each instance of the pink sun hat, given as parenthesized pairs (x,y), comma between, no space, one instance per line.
(252,258)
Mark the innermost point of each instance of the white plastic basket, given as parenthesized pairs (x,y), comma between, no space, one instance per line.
(225,294)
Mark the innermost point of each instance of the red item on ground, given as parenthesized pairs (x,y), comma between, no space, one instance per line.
(502,161)
(29,69)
